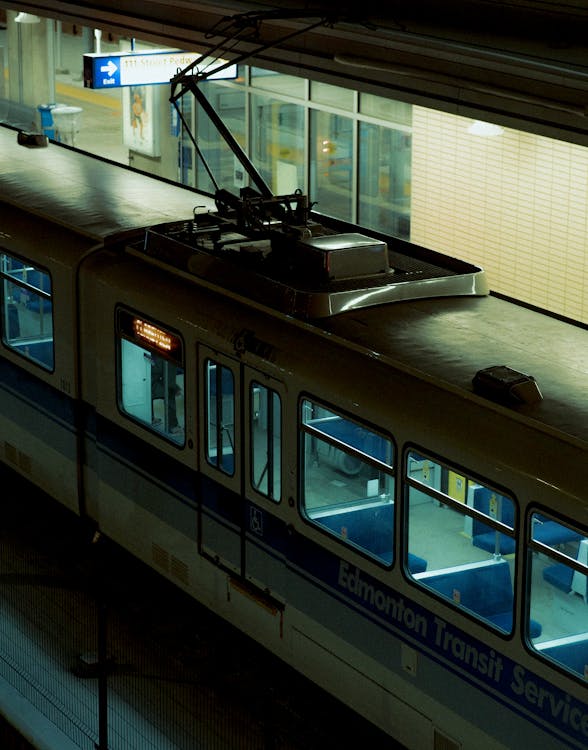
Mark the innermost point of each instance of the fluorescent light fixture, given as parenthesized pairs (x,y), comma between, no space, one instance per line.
(27,18)
(478,127)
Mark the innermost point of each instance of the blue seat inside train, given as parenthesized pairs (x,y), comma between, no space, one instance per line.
(492,541)
(544,530)
(571,652)
(372,528)
(38,351)
(483,588)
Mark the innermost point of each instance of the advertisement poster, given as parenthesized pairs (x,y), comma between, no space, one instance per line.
(140,132)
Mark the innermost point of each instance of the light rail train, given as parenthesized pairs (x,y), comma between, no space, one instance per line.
(339,442)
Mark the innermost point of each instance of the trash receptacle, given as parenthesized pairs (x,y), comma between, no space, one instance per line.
(67,121)
(47,119)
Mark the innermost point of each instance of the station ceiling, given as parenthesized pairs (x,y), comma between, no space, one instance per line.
(520,63)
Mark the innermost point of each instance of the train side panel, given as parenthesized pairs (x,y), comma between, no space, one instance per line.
(38,363)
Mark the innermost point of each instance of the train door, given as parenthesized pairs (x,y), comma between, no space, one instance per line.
(221,511)
(266,537)
(241,469)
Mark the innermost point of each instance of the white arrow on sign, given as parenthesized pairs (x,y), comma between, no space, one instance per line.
(111,68)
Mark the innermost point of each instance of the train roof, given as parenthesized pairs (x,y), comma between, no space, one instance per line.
(447,341)
(428,316)
(480,347)
(87,194)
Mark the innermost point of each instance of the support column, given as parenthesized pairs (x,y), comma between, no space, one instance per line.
(31,62)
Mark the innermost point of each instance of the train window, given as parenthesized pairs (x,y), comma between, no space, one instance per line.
(558,564)
(266,427)
(461,539)
(220,416)
(347,475)
(151,376)
(27,310)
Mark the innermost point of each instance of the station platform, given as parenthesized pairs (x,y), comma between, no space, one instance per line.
(97,113)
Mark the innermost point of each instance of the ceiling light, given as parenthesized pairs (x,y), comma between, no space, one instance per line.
(478,127)
(27,18)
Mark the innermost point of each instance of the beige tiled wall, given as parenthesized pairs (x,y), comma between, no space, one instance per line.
(516,204)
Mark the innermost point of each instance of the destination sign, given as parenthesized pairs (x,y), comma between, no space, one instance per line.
(106,71)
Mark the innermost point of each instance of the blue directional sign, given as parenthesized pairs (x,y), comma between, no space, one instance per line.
(104,71)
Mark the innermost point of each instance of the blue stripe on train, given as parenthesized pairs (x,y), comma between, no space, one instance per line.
(28,388)
(141,456)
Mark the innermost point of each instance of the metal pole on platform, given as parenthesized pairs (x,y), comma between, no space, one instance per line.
(102,678)
(59,66)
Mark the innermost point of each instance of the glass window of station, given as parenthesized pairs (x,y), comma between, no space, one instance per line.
(349,152)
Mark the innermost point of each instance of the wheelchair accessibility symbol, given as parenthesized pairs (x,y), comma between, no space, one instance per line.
(256,521)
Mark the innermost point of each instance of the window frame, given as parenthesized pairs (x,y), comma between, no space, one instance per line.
(271,394)
(537,647)
(29,289)
(389,470)
(219,411)
(234,482)
(176,357)
(466,511)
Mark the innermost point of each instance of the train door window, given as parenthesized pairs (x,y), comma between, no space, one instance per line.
(461,539)
(347,473)
(558,581)
(151,384)
(266,429)
(27,310)
(220,416)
